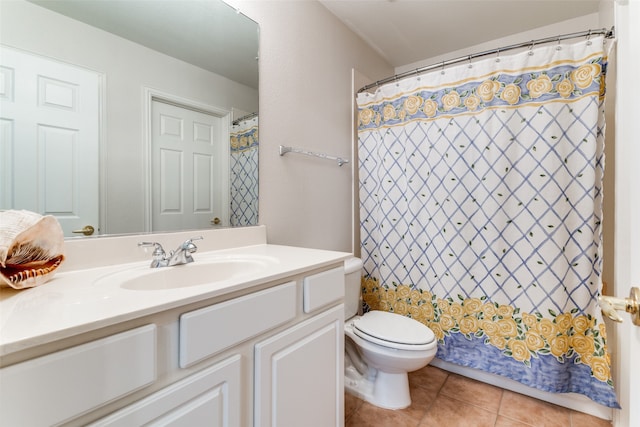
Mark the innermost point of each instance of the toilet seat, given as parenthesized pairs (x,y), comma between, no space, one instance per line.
(393,330)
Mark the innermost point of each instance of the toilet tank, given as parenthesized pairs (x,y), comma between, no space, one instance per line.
(353,274)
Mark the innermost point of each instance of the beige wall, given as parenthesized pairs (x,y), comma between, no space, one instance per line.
(306,61)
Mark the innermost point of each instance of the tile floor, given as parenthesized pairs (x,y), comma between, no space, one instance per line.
(443,399)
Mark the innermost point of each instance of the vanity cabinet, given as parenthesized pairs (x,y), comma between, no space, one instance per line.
(267,355)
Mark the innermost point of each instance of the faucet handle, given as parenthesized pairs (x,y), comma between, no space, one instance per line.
(189,246)
(158,249)
(159,258)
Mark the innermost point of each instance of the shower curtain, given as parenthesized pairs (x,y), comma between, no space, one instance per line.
(244,173)
(481,210)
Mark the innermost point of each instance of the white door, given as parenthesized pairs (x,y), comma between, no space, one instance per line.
(187,168)
(627,215)
(49,138)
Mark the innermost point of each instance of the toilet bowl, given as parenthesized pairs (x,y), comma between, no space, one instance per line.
(381,348)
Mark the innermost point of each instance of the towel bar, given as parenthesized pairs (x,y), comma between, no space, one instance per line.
(284,150)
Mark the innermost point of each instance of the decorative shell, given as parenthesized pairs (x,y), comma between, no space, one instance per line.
(31,248)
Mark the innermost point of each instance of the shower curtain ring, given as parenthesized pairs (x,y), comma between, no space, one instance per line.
(589,38)
(533,42)
(470,64)
(442,71)
(498,55)
(558,47)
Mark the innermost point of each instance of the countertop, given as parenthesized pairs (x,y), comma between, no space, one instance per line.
(82,300)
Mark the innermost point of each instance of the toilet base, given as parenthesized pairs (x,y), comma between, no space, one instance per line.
(382,389)
(391,391)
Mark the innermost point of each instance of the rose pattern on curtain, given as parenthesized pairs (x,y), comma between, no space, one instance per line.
(481,210)
(244,173)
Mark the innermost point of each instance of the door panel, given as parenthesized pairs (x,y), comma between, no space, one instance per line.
(170,175)
(203,172)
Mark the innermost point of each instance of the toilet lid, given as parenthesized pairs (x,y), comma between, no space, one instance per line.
(392,328)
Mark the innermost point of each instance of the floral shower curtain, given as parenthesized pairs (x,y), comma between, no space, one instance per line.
(481,210)
(244,173)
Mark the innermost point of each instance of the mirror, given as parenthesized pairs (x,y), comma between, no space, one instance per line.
(143,59)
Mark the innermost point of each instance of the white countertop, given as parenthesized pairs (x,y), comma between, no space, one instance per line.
(82,300)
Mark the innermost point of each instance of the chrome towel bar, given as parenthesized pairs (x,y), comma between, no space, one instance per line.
(284,150)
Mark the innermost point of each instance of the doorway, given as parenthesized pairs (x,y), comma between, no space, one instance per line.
(49,139)
(188,165)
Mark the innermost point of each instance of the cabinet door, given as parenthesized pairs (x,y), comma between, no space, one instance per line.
(211,398)
(299,374)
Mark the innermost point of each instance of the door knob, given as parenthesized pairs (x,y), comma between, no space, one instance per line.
(631,305)
(87,230)
(215,221)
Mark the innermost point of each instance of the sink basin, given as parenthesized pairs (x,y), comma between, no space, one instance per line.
(182,276)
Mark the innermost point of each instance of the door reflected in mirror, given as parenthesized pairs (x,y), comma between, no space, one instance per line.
(199,51)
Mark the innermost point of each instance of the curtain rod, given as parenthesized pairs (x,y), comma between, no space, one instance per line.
(246,117)
(607,34)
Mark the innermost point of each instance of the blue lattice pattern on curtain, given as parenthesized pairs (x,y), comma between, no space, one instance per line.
(481,216)
(244,177)
(244,187)
(462,246)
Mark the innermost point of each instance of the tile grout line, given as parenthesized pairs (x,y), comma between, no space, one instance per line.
(426,410)
(476,405)
(499,407)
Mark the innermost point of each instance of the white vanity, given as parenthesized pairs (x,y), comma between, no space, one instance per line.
(250,334)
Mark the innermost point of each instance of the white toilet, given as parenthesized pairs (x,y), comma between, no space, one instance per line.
(381,348)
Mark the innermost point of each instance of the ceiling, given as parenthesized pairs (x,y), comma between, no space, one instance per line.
(408,31)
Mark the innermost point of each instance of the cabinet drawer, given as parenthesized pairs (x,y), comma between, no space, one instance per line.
(209,330)
(62,385)
(323,288)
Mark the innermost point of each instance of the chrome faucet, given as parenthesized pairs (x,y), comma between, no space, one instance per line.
(159,258)
(182,255)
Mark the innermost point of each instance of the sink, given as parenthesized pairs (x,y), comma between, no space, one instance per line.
(182,276)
